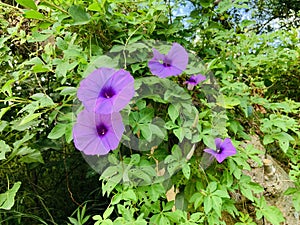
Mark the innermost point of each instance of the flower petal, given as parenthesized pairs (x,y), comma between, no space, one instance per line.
(220,157)
(157,55)
(123,83)
(228,147)
(115,128)
(86,137)
(162,71)
(211,151)
(104,105)
(198,78)
(120,83)
(218,142)
(171,64)
(156,68)
(178,56)
(91,86)
(89,143)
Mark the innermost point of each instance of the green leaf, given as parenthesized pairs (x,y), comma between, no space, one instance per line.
(3,124)
(221,193)
(170,125)
(68,91)
(111,184)
(173,113)
(6,88)
(284,140)
(296,201)
(108,212)
(4,110)
(57,131)
(73,220)
(290,191)
(234,125)
(205,3)
(109,172)
(38,37)
(69,132)
(43,100)
(248,187)
(209,141)
(273,215)
(195,217)
(217,204)
(146,131)
(27,3)
(156,130)
(7,199)
(129,195)
(224,5)
(212,186)
(180,202)
(29,118)
(32,157)
(207,204)
(246,23)
(26,138)
(268,138)
(186,170)
(176,152)
(101,61)
(95,6)
(146,115)
(79,15)
(3,149)
(228,102)
(173,167)
(179,133)
(107,222)
(63,67)
(174,216)
(197,198)
(40,68)
(32,14)
(141,104)
(163,220)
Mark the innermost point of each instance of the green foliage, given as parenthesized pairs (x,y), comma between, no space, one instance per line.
(48,47)
(7,199)
(271,10)
(245,220)
(81,218)
(271,213)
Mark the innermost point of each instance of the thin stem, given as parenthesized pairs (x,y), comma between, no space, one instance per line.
(127,40)
(39,83)
(169,10)
(10,6)
(55,6)
(67,177)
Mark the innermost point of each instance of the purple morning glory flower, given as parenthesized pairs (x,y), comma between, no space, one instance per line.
(194,80)
(223,149)
(171,64)
(97,134)
(106,90)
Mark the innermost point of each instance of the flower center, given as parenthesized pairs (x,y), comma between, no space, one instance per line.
(167,62)
(101,130)
(220,150)
(107,92)
(192,80)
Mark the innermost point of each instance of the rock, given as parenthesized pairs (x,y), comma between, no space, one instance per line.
(275,182)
